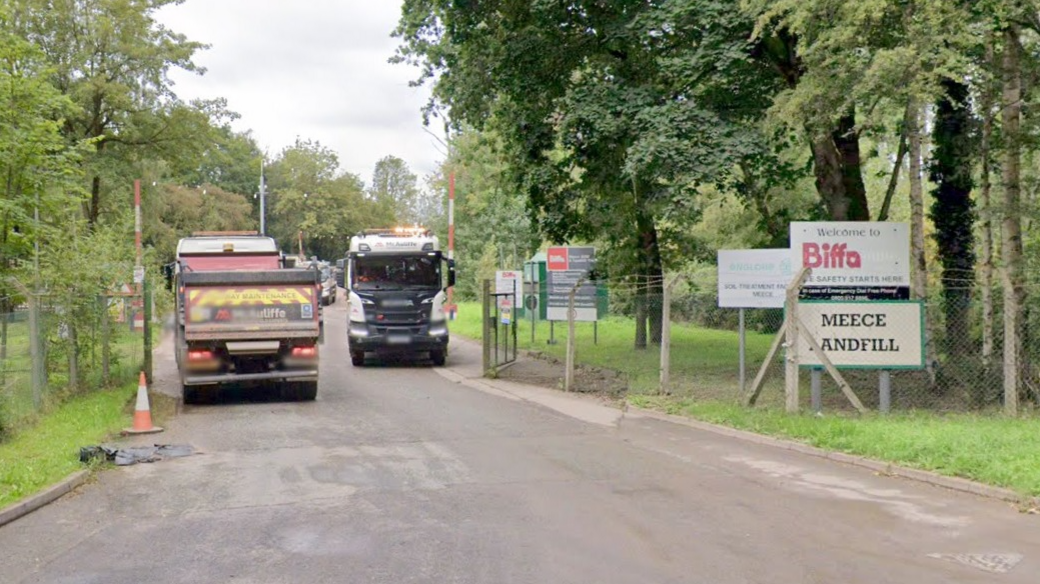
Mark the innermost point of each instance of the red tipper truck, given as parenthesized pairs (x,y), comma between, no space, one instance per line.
(244,318)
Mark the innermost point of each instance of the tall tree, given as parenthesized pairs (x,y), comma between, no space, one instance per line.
(611,114)
(111,57)
(310,198)
(396,187)
(953,209)
(1013,256)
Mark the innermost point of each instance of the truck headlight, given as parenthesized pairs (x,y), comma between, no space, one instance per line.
(438,330)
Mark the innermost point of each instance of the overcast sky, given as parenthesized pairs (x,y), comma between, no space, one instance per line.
(314,69)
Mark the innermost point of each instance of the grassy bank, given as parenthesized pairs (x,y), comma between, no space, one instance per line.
(47,452)
(988,448)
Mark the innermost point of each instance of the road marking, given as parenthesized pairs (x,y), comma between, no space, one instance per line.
(1001,563)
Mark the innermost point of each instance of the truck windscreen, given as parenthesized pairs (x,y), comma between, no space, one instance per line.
(385,272)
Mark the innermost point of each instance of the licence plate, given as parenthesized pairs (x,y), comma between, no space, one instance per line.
(398,339)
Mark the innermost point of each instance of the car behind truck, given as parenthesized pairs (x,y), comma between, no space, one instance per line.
(244,318)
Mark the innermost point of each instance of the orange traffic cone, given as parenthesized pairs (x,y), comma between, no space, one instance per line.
(142,412)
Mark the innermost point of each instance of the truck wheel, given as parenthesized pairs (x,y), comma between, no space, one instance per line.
(439,357)
(300,390)
(357,358)
(190,394)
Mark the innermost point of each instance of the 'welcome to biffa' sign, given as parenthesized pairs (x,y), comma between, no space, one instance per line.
(853,260)
(863,335)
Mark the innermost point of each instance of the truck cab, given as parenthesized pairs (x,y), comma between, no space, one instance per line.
(396,281)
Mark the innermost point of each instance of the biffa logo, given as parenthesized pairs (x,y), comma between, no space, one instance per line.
(815,255)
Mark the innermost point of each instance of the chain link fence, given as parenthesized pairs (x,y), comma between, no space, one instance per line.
(962,368)
(51,347)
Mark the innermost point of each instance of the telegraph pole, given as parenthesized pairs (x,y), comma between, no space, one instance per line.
(263,187)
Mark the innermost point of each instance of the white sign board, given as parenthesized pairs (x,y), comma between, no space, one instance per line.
(559,286)
(754,278)
(864,335)
(508,282)
(139,275)
(852,253)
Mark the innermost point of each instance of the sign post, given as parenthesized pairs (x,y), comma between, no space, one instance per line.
(752,278)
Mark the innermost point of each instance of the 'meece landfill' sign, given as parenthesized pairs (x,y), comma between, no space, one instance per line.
(754,278)
(863,335)
(853,260)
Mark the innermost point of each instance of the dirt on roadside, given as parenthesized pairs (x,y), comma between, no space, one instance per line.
(534,368)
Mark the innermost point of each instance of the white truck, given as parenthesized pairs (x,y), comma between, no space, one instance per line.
(396,282)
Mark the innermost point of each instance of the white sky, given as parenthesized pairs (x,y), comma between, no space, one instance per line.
(313,69)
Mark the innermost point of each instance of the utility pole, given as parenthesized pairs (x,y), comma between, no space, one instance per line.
(263,187)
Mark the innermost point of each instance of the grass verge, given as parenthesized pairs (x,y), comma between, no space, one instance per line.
(703,361)
(991,449)
(985,447)
(44,454)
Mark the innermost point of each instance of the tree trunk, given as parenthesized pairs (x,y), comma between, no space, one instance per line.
(650,258)
(649,261)
(953,213)
(839,174)
(1012,226)
(95,200)
(640,314)
(893,181)
(918,261)
(986,216)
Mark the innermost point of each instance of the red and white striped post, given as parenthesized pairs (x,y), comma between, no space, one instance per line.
(137,225)
(138,303)
(451,241)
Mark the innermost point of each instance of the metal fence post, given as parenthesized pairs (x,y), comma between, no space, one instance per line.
(106,336)
(147,302)
(743,352)
(816,389)
(485,316)
(885,391)
(568,378)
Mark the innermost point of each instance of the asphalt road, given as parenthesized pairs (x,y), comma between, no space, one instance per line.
(405,473)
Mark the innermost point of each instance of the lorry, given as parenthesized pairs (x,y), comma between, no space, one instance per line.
(396,282)
(244,317)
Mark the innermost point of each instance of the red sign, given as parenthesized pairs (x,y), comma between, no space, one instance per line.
(557,259)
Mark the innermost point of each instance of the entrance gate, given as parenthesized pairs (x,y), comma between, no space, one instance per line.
(499,328)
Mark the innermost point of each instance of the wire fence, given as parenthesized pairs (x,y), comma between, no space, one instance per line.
(51,347)
(960,368)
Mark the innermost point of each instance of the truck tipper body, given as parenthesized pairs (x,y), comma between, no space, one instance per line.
(396,288)
(244,318)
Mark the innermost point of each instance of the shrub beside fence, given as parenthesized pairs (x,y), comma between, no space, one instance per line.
(51,347)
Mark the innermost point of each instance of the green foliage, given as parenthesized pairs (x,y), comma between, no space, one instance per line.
(111,57)
(309,195)
(47,453)
(610,119)
(394,187)
(492,228)
(172,212)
